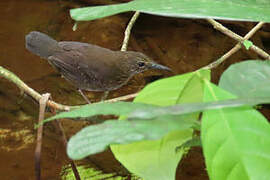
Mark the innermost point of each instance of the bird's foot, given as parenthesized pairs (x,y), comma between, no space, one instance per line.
(84,97)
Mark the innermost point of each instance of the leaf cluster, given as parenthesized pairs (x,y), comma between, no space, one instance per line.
(157,128)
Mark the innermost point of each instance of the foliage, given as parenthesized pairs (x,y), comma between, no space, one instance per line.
(248,10)
(146,158)
(155,130)
(235,141)
(247,44)
(235,137)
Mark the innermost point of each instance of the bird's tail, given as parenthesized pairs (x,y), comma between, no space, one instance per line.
(41,44)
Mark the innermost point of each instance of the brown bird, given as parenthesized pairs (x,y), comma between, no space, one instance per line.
(90,67)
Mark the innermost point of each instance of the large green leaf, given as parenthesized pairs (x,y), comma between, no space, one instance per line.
(236,141)
(186,108)
(158,159)
(117,108)
(161,121)
(247,79)
(147,111)
(249,10)
(94,139)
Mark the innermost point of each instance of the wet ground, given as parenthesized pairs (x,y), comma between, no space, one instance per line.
(182,44)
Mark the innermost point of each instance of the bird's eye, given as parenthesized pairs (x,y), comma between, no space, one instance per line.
(141,64)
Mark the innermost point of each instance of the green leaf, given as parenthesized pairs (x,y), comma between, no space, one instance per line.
(181,109)
(117,108)
(194,142)
(158,159)
(247,44)
(248,10)
(147,111)
(167,91)
(236,141)
(94,139)
(247,79)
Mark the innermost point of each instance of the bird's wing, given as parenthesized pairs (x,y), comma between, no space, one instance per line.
(93,60)
(73,62)
(67,70)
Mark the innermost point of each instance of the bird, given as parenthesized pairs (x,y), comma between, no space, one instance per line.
(90,67)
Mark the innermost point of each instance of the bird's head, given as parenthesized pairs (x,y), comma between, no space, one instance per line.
(137,62)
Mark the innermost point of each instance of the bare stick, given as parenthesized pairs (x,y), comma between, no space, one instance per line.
(64,138)
(23,87)
(238,38)
(128,29)
(42,106)
(235,48)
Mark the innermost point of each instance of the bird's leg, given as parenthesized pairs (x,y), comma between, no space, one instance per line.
(105,95)
(84,97)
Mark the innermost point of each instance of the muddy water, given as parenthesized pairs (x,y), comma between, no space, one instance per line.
(192,44)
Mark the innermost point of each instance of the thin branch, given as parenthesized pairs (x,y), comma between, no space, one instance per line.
(238,38)
(235,48)
(123,98)
(128,29)
(31,92)
(64,139)
(22,86)
(42,107)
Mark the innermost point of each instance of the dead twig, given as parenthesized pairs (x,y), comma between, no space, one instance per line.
(238,38)
(42,107)
(236,48)
(64,139)
(128,30)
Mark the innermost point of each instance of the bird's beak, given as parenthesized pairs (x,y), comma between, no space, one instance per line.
(160,67)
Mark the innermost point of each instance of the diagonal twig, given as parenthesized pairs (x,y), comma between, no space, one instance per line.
(128,29)
(238,38)
(64,139)
(235,48)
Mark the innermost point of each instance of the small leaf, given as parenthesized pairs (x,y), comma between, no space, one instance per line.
(194,142)
(247,44)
